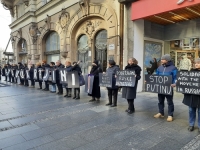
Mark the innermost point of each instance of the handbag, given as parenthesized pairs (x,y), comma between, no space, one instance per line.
(81,80)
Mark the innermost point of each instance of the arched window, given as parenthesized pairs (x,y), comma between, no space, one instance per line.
(83,53)
(53,42)
(101,48)
(52,47)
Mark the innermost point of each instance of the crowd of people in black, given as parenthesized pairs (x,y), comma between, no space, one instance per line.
(128,93)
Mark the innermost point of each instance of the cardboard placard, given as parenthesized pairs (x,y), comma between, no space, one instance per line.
(35,77)
(73,80)
(105,80)
(17,74)
(46,74)
(40,74)
(89,80)
(188,82)
(63,75)
(22,75)
(125,78)
(158,84)
(27,75)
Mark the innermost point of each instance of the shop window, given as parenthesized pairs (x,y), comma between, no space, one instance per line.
(53,42)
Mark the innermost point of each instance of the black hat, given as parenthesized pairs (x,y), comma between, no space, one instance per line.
(96,62)
(112,62)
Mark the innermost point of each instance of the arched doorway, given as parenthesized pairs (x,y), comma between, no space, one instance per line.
(83,49)
(22,51)
(52,47)
(101,48)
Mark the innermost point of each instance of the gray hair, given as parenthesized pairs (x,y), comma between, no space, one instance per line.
(197,60)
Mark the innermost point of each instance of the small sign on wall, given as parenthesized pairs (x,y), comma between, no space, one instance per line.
(111,47)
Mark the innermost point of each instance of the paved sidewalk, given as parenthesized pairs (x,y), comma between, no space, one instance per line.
(39,120)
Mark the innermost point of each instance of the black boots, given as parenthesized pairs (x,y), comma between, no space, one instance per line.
(76,93)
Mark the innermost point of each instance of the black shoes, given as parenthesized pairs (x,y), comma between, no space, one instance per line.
(60,93)
(92,100)
(113,105)
(65,95)
(108,104)
(45,89)
(77,98)
(130,111)
(191,128)
(52,91)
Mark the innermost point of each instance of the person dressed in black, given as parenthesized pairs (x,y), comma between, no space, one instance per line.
(68,67)
(38,66)
(21,66)
(113,91)
(26,83)
(4,72)
(53,85)
(129,93)
(59,85)
(31,71)
(9,72)
(15,67)
(76,67)
(45,65)
(0,73)
(96,93)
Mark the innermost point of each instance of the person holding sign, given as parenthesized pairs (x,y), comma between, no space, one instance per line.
(32,76)
(21,66)
(68,67)
(0,73)
(59,85)
(113,91)
(129,93)
(77,68)
(38,66)
(96,69)
(53,85)
(26,78)
(193,101)
(45,65)
(167,68)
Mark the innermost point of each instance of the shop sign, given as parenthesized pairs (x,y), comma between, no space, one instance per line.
(112,47)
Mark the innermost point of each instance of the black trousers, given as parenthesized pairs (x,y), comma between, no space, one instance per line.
(131,104)
(12,79)
(26,82)
(40,84)
(5,78)
(21,81)
(60,88)
(68,91)
(77,92)
(112,96)
(32,83)
(46,85)
(0,76)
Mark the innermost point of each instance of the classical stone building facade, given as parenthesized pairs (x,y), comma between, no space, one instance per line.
(67,30)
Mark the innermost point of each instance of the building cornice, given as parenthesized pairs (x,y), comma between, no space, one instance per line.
(22,18)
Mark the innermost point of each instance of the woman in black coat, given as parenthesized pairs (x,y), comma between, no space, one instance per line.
(193,102)
(38,66)
(129,93)
(32,76)
(96,88)
(76,68)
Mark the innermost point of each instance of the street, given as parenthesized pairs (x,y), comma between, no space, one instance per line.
(39,120)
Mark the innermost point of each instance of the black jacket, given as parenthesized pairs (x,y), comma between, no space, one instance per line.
(77,69)
(113,70)
(57,72)
(190,99)
(130,92)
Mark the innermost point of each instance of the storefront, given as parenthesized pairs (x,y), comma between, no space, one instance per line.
(166,26)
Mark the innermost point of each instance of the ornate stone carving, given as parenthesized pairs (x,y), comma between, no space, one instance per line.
(26,2)
(52,52)
(33,32)
(20,32)
(48,22)
(29,56)
(37,56)
(84,4)
(64,18)
(64,54)
(89,28)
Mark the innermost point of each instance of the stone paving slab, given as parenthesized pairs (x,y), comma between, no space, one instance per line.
(38,120)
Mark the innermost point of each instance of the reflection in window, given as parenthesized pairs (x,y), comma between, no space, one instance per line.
(53,42)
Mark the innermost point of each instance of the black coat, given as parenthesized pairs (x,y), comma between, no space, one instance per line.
(96,88)
(190,99)
(31,73)
(130,92)
(58,72)
(113,70)
(77,68)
